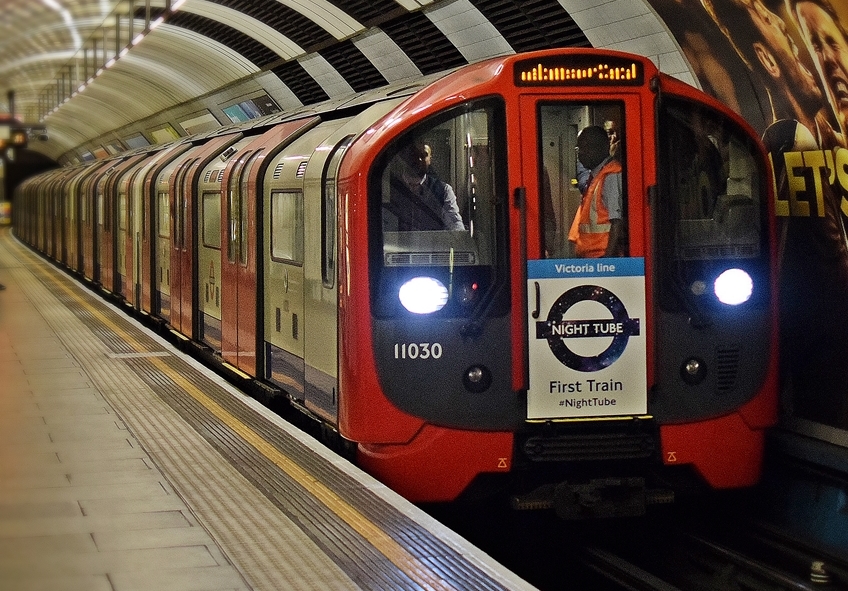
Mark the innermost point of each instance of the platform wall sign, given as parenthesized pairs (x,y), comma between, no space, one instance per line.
(587,344)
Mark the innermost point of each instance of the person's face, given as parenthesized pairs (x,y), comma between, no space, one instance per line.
(427,157)
(797,78)
(830,48)
(419,159)
(612,131)
(590,153)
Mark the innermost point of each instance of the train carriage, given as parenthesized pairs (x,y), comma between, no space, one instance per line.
(442,275)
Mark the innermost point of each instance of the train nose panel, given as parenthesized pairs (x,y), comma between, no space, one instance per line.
(588,351)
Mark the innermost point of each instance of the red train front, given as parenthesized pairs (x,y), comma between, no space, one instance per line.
(474,341)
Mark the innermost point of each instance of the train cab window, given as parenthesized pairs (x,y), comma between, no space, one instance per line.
(711,170)
(287,226)
(582,169)
(439,195)
(711,208)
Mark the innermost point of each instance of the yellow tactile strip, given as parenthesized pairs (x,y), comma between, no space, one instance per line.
(361,536)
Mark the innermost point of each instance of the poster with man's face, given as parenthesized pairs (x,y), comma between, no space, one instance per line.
(783,65)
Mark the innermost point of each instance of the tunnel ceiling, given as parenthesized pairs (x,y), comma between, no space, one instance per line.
(94,72)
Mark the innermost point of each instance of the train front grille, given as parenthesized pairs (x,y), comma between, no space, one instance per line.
(589,447)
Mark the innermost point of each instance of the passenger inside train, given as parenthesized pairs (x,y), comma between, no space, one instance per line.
(420,200)
(564,177)
(597,227)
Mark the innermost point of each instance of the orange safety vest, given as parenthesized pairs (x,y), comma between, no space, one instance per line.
(591,227)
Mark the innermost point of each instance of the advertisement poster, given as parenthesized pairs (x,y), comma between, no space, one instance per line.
(783,66)
(586,342)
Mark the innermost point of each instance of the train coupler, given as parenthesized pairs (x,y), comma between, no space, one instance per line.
(598,498)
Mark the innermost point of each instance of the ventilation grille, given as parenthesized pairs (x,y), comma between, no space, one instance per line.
(589,447)
(425,259)
(289,22)
(301,169)
(357,69)
(278,170)
(304,86)
(424,43)
(214,175)
(532,24)
(234,39)
(727,368)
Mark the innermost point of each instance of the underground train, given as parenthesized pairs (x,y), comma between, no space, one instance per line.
(405,267)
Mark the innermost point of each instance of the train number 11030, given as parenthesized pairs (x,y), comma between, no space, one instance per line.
(418,350)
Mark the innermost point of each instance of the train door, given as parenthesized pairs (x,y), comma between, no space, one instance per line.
(209,285)
(106,229)
(586,277)
(70,230)
(116,230)
(283,259)
(125,234)
(135,236)
(132,218)
(238,264)
(240,299)
(87,221)
(162,258)
(87,225)
(71,234)
(75,239)
(167,235)
(156,254)
(54,236)
(180,253)
(283,283)
(184,218)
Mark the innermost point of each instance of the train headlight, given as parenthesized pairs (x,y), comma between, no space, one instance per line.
(423,295)
(733,287)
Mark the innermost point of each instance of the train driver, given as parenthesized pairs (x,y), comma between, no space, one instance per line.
(419,198)
(598,229)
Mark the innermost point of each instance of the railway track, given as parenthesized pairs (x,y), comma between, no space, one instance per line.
(712,549)
(694,548)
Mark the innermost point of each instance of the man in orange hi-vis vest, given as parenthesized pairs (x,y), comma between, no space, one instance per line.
(597,229)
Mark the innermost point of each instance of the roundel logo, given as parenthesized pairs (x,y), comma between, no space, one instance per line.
(559,331)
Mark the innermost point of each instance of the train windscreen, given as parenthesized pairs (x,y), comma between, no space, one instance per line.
(711,207)
(442,209)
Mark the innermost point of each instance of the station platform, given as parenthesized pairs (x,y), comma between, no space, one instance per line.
(126,465)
